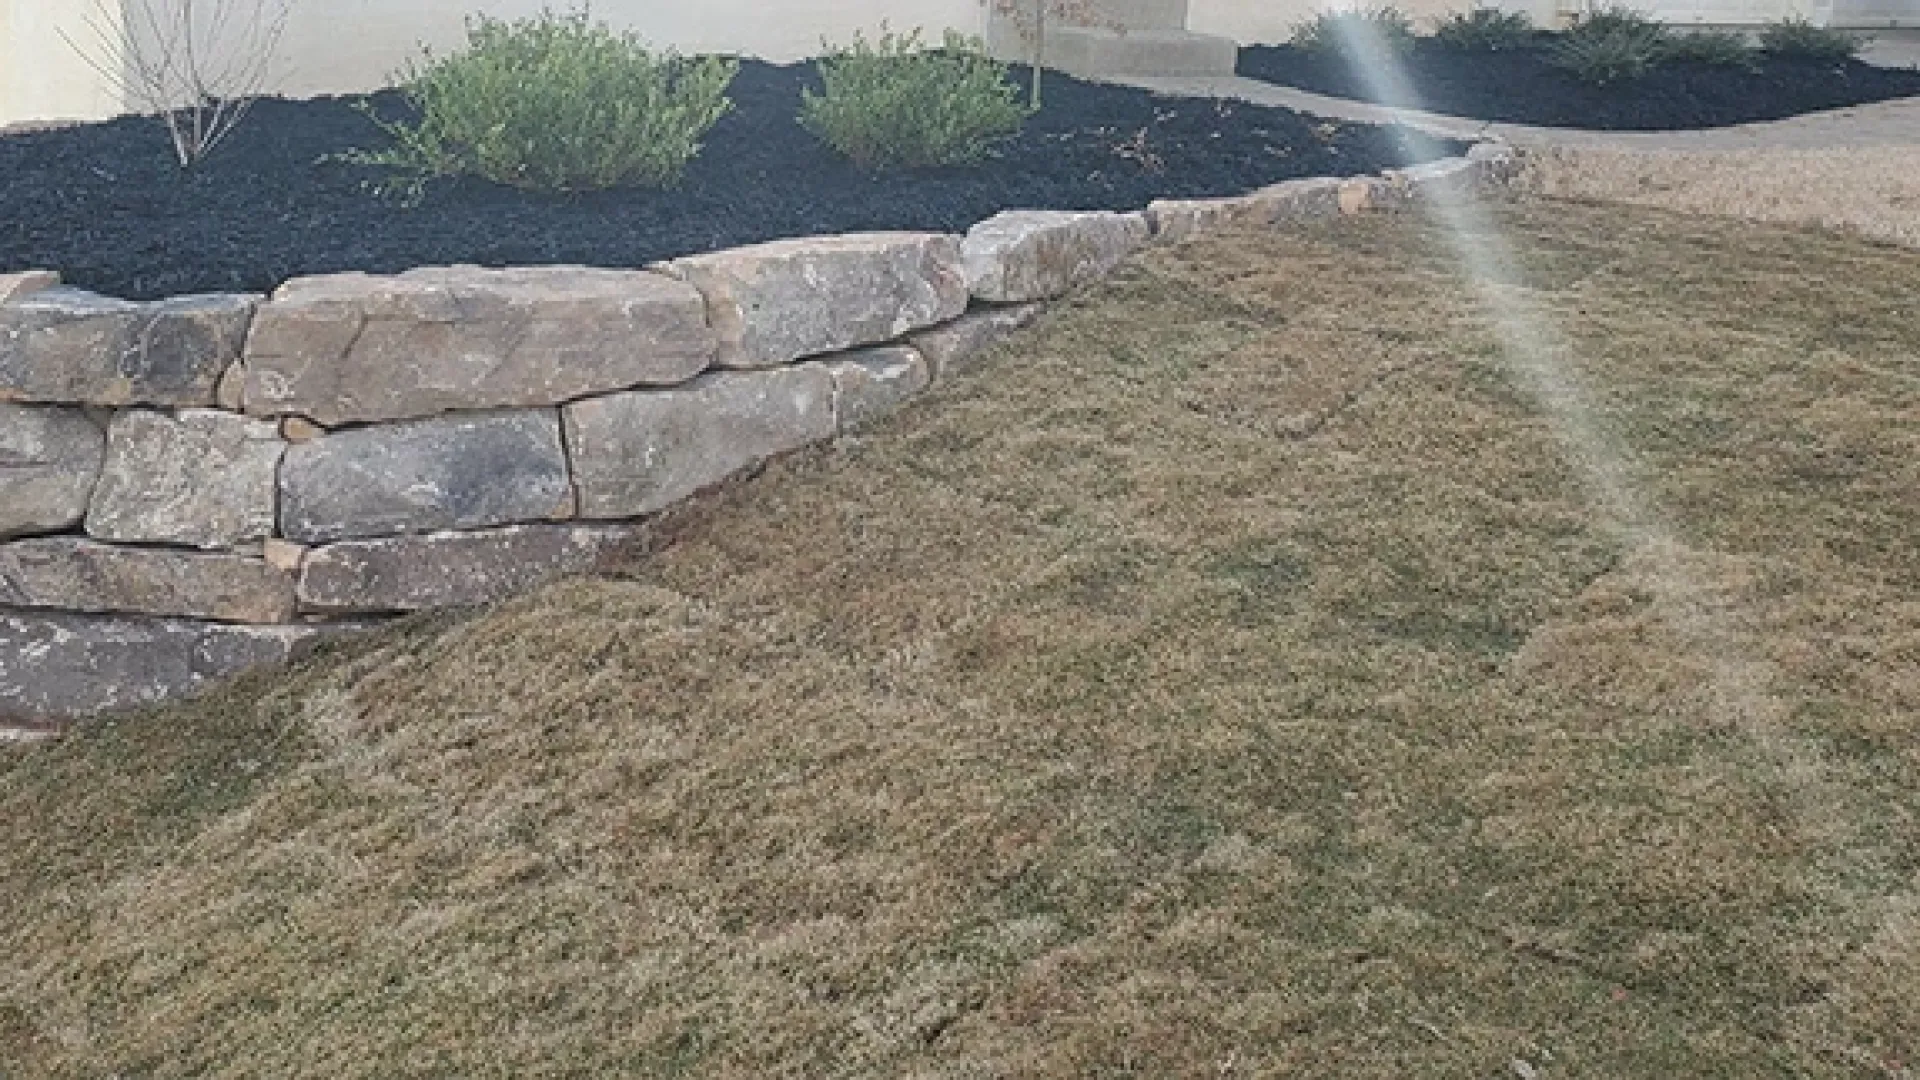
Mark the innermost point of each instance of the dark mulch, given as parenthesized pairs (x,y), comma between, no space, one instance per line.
(105,205)
(1521,87)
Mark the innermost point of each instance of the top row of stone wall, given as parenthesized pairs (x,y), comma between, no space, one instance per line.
(351,349)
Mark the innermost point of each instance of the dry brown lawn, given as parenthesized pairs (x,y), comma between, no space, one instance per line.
(1229,678)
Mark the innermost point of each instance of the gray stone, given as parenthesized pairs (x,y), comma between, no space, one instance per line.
(201,478)
(637,453)
(414,573)
(1040,254)
(57,667)
(49,461)
(67,346)
(874,382)
(775,303)
(466,471)
(355,348)
(1498,162)
(950,348)
(81,575)
(16,285)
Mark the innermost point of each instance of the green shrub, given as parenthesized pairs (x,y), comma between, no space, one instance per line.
(1610,46)
(554,103)
(1715,47)
(897,104)
(1345,33)
(1485,30)
(1798,37)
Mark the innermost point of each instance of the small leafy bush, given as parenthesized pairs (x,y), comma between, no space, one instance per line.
(1610,46)
(1485,30)
(1718,48)
(554,103)
(1348,33)
(895,103)
(1798,37)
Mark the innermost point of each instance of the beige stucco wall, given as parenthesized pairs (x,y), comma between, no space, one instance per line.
(42,77)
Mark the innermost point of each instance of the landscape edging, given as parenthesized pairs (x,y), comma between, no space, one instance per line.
(211,524)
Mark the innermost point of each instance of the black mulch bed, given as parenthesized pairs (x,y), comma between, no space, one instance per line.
(1520,87)
(105,205)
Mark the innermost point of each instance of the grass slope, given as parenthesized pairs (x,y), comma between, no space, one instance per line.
(1230,679)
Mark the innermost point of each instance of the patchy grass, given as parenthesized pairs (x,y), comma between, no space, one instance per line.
(1230,679)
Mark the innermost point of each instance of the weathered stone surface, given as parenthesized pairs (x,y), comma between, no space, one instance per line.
(56,667)
(201,478)
(950,348)
(16,285)
(1040,254)
(1299,200)
(82,575)
(353,347)
(1446,178)
(1176,221)
(637,453)
(1361,194)
(64,345)
(283,555)
(871,383)
(49,461)
(467,471)
(775,303)
(414,573)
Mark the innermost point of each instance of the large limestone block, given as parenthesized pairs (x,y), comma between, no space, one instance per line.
(871,383)
(82,575)
(57,667)
(1026,255)
(467,471)
(355,348)
(950,348)
(451,569)
(775,303)
(637,453)
(49,461)
(64,345)
(200,478)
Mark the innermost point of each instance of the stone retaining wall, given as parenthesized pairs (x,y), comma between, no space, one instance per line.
(196,486)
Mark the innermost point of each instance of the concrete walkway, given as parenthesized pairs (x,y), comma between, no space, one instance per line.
(1887,123)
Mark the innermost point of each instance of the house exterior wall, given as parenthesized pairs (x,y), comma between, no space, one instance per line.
(342,46)
(42,77)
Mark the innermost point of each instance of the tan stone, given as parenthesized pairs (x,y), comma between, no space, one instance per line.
(775,303)
(299,429)
(283,555)
(357,348)
(82,575)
